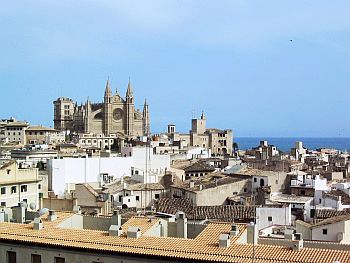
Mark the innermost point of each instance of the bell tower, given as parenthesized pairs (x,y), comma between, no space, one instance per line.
(129,111)
(107,108)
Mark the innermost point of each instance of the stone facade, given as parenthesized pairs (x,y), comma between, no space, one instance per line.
(115,115)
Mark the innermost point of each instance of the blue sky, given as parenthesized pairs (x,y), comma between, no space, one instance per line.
(233,59)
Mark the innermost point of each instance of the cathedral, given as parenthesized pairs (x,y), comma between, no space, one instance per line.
(115,115)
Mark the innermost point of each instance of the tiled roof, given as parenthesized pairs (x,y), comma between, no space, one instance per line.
(327,213)
(332,220)
(207,182)
(143,223)
(226,213)
(258,172)
(200,166)
(40,128)
(202,248)
(334,194)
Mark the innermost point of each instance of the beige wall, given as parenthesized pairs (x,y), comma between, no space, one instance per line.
(216,195)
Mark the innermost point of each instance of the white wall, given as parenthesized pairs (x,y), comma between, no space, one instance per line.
(84,170)
(336,232)
(279,216)
(67,171)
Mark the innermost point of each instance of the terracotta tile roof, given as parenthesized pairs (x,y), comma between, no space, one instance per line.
(226,213)
(143,223)
(334,194)
(199,166)
(327,213)
(207,182)
(332,220)
(203,248)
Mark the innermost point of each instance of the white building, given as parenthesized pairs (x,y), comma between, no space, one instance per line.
(19,185)
(64,173)
(270,216)
(335,229)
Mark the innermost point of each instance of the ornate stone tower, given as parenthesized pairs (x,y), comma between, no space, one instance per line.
(129,111)
(87,116)
(107,108)
(145,119)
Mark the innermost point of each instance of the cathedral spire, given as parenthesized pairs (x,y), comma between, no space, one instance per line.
(108,91)
(129,92)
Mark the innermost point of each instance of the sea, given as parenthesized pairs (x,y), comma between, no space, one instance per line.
(286,143)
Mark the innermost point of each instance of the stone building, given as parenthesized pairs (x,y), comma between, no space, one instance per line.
(115,115)
(19,185)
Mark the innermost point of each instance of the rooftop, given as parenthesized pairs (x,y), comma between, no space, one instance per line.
(202,248)
(207,182)
(226,213)
(284,198)
(257,172)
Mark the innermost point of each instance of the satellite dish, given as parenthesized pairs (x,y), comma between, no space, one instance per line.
(32,206)
(43,211)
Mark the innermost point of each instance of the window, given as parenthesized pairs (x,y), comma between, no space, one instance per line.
(3,190)
(59,260)
(255,179)
(269,219)
(39,186)
(3,204)
(137,198)
(302,192)
(25,200)
(324,231)
(23,188)
(13,189)
(156,196)
(11,257)
(8,171)
(36,258)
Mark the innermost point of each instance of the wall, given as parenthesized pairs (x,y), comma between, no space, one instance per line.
(84,170)
(73,222)
(59,204)
(96,223)
(23,254)
(333,231)
(216,195)
(280,216)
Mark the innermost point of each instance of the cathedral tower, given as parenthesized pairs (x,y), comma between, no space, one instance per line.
(146,121)
(107,109)
(129,111)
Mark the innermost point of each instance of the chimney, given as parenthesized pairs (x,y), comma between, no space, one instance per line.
(224,240)
(234,230)
(2,216)
(297,241)
(252,233)
(134,232)
(19,213)
(116,218)
(38,224)
(181,225)
(76,209)
(52,216)
(115,230)
(191,184)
